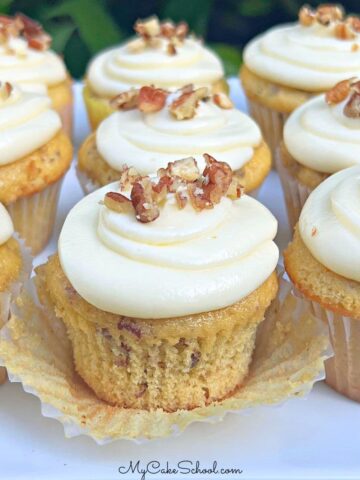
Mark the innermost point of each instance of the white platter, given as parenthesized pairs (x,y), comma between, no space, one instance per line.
(313,438)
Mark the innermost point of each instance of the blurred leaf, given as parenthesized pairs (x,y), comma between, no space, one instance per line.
(76,56)
(195,12)
(255,8)
(95,25)
(5,6)
(231,57)
(61,33)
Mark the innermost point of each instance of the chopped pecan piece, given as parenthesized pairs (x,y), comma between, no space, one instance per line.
(197,197)
(118,203)
(218,177)
(142,199)
(327,13)
(354,23)
(33,32)
(307,16)
(126,100)
(339,92)
(167,29)
(128,177)
(171,49)
(5,90)
(344,31)
(182,29)
(184,107)
(181,199)
(222,101)
(148,28)
(151,99)
(235,189)
(186,169)
(352,108)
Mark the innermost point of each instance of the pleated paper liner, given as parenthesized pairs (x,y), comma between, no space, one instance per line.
(9,296)
(291,348)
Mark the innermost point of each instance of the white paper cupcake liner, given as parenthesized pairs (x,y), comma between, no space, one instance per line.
(295,193)
(8,297)
(87,185)
(290,351)
(34,216)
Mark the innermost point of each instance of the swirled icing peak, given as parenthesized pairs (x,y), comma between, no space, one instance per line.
(155,127)
(320,50)
(27,122)
(189,258)
(162,54)
(323,133)
(330,223)
(6,225)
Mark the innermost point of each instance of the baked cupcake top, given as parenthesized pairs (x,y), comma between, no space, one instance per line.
(6,225)
(177,244)
(154,128)
(27,122)
(324,133)
(320,50)
(329,223)
(162,54)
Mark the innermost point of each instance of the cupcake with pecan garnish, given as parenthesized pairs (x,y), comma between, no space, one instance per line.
(162,283)
(35,155)
(26,59)
(323,261)
(320,138)
(14,269)
(161,54)
(153,127)
(290,63)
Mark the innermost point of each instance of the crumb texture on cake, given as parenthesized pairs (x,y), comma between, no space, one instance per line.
(99,171)
(10,263)
(36,171)
(318,283)
(172,364)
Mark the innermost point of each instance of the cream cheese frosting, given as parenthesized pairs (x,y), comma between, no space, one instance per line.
(321,137)
(27,122)
(6,225)
(309,58)
(330,223)
(150,141)
(183,263)
(33,70)
(119,69)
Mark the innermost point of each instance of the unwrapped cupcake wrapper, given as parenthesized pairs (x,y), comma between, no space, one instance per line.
(291,347)
(270,121)
(343,369)
(87,185)
(8,297)
(295,193)
(34,216)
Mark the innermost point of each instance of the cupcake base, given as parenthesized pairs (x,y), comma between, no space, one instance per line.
(291,346)
(34,216)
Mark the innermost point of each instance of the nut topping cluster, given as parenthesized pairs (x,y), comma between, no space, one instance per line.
(346,89)
(5,90)
(345,27)
(149,99)
(21,26)
(151,33)
(181,178)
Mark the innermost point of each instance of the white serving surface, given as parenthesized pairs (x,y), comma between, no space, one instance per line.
(313,438)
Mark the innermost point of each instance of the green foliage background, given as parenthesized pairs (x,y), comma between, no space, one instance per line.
(80,28)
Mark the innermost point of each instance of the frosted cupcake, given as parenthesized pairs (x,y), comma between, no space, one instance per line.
(153,128)
(288,64)
(13,267)
(35,155)
(323,261)
(320,138)
(25,59)
(162,284)
(162,54)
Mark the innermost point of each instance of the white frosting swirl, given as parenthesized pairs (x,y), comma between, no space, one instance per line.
(27,122)
(119,69)
(150,141)
(33,70)
(182,263)
(330,223)
(307,58)
(321,137)
(6,225)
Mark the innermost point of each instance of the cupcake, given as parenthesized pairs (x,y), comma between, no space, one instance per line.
(161,54)
(321,137)
(288,64)
(35,155)
(25,59)
(323,261)
(162,283)
(12,268)
(154,127)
